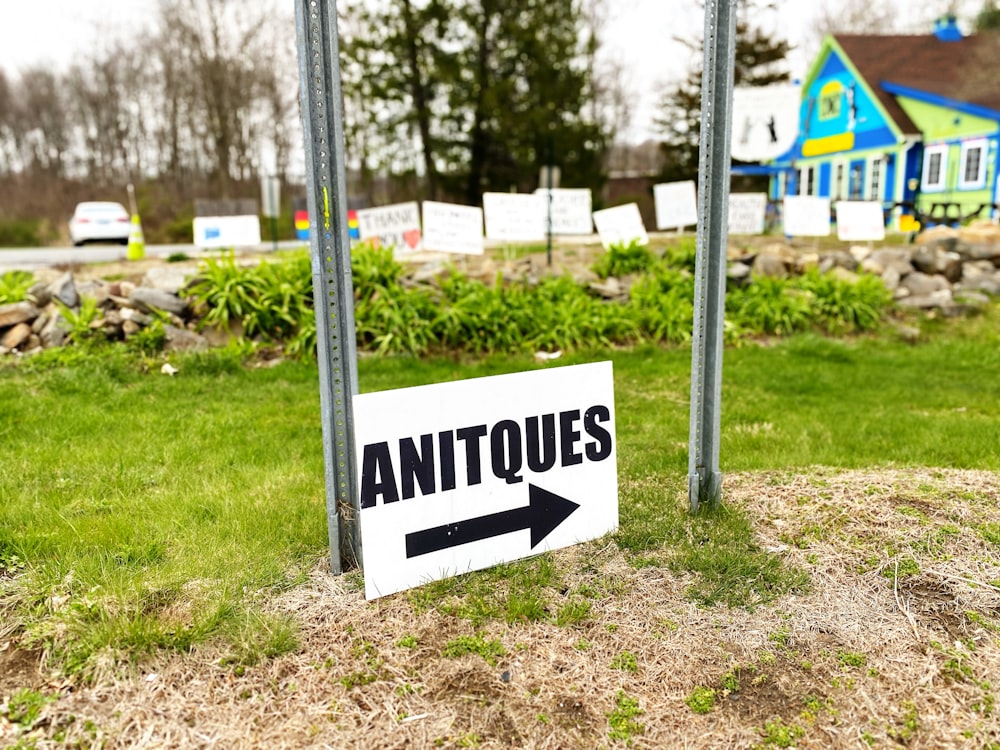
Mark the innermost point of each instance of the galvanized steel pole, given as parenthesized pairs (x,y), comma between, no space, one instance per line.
(704,476)
(333,295)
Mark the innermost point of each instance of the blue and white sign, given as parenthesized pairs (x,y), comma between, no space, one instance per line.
(213,232)
(464,475)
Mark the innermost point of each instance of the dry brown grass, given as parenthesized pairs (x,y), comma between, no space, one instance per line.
(866,659)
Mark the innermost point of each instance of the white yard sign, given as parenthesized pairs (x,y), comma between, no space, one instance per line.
(463,475)
(396,226)
(676,204)
(226,231)
(514,217)
(806,216)
(860,221)
(571,210)
(765,121)
(450,228)
(620,225)
(747,212)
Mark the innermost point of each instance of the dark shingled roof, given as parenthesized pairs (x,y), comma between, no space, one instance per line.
(967,70)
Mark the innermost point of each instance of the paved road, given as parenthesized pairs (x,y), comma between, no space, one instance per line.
(30,258)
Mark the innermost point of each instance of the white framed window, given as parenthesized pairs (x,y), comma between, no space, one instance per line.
(973,165)
(875,179)
(807,181)
(855,188)
(838,192)
(935,167)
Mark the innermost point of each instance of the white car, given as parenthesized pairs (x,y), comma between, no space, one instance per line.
(99,221)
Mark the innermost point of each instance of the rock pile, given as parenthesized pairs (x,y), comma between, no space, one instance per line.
(121,310)
(946,269)
(951,270)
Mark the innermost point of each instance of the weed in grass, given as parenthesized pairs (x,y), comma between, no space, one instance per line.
(582,645)
(902,568)
(573,613)
(780,637)
(731,567)
(25,707)
(701,700)
(622,718)
(852,658)
(907,728)
(990,532)
(777,733)
(731,680)
(474,644)
(625,662)
(407,641)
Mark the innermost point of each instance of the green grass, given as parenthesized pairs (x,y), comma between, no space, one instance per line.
(141,512)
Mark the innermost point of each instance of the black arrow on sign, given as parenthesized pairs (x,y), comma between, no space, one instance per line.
(542,514)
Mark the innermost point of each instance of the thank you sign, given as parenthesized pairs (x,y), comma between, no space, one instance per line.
(464,475)
(396,226)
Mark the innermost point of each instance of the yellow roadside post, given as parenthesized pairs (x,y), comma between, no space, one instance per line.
(136,242)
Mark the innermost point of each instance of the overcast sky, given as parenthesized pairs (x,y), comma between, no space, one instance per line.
(640,33)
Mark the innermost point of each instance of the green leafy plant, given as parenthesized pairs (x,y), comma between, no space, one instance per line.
(14,286)
(622,718)
(474,644)
(622,259)
(701,700)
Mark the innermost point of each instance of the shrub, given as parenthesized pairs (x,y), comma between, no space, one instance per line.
(621,259)
(14,286)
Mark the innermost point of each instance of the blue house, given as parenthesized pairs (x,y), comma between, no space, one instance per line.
(912,122)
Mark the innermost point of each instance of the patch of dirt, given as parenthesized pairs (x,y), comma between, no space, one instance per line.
(19,668)
(860,660)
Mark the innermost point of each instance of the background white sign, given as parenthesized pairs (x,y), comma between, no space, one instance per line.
(676,204)
(450,228)
(571,210)
(860,220)
(514,217)
(806,216)
(396,226)
(226,231)
(747,212)
(620,225)
(451,474)
(765,121)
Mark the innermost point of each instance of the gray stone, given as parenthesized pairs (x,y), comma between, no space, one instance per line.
(738,271)
(148,300)
(949,265)
(971,297)
(937,299)
(890,277)
(806,261)
(924,258)
(16,336)
(919,284)
(887,257)
(181,339)
(54,332)
(17,312)
(842,259)
(63,289)
(860,252)
(168,278)
(610,288)
(771,265)
(130,327)
(39,292)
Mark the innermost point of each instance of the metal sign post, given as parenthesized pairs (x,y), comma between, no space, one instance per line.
(704,477)
(333,295)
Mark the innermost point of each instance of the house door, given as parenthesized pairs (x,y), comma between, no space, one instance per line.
(856,180)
